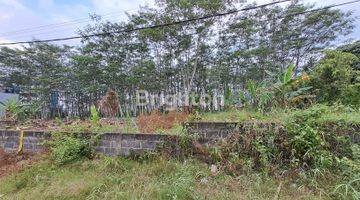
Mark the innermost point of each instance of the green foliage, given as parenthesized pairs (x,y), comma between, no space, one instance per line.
(314,142)
(266,95)
(195,116)
(69,148)
(257,96)
(348,189)
(291,91)
(313,146)
(229,98)
(288,76)
(12,108)
(306,139)
(353,48)
(334,79)
(171,59)
(129,126)
(94,116)
(18,111)
(351,92)
(124,178)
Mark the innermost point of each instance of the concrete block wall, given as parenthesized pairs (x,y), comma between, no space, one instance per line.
(9,140)
(213,131)
(111,144)
(221,130)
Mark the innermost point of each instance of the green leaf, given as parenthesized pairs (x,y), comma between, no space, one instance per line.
(251,87)
(243,98)
(288,74)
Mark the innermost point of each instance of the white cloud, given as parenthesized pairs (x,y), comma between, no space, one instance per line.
(69,13)
(105,6)
(117,9)
(4,16)
(10,46)
(45,3)
(14,15)
(14,4)
(14,22)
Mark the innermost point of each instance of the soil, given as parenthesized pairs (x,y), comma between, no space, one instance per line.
(156,120)
(11,162)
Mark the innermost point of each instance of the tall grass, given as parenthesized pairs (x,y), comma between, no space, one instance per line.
(334,113)
(156,178)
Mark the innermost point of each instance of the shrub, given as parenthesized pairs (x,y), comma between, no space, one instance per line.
(94,116)
(15,110)
(334,79)
(304,143)
(69,148)
(305,138)
(351,94)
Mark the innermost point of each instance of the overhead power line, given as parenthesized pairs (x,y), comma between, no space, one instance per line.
(181,22)
(148,27)
(64,24)
(49,26)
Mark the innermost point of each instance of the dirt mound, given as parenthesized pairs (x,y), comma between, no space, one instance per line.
(10,162)
(157,120)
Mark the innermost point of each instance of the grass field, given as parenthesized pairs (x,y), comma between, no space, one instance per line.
(157,178)
(332,114)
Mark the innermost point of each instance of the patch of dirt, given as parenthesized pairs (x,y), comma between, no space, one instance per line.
(11,162)
(156,120)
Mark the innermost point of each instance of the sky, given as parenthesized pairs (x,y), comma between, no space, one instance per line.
(23,20)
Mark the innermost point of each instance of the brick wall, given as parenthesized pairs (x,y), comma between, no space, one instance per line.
(209,132)
(124,144)
(111,144)
(9,140)
(212,131)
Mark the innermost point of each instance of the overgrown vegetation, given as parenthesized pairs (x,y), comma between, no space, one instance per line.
(305,147)
(337,113)
(156,178)
(299,107)
(190,57)
(334,80)
(305,143)
(68,148)
(16,111)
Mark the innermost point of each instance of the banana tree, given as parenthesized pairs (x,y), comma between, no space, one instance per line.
(257,95)
(285,91)
(14,110)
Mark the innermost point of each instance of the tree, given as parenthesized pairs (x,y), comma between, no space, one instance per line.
(214,55)
(353,48)
(334,80)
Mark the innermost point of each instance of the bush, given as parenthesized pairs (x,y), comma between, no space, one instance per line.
(351,94)
(334,80)
(306,147)
(94,116)
(69,148)
(15,110)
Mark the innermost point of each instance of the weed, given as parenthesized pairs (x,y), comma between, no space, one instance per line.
(94,116)
(69,148)
(349,189)
(158,178)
